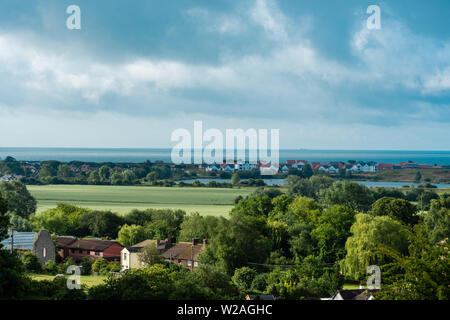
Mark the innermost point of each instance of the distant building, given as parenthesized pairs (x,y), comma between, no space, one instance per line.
(40,243)
(186,253)
(357,294)
(129,257)
(94,248)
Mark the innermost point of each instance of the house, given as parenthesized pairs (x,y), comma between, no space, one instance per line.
(385,166)
(357,294)
(40,243)
(94,248)
(333,169)
(226,167)
(246,166)
(62,245)
(213,168)
(129,257)
(284,168)
(186,253)
(297,164)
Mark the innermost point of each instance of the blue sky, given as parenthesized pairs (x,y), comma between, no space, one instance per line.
(137,70)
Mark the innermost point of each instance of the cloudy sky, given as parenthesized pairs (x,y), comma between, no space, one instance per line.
(137,70)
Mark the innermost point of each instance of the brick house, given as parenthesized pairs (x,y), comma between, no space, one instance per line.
(186,253)
(94,248)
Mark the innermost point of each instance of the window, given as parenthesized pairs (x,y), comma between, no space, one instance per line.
(44,253)
(97,253)
(189,263)
(124,256)
(195,264)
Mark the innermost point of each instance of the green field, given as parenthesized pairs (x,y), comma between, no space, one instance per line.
(121,199)
(89,281)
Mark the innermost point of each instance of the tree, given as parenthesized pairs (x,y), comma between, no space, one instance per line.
(150,255)
(437,220)
(197,226)
(254,205)
(399,209)
(150,283)
(20,224)
(332,232)
(348,193)
(305,209)
(105,173)
(243,278)
(94,178)
(307,171)
(31,262)
(65,219)
(235,178)
(369,234)
(130,235)
(422,274)
(64,171)
(237,241)
(101,223)
(20,201)
(4,219)
(418,177)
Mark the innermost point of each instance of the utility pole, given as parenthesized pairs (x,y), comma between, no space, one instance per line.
(12,240)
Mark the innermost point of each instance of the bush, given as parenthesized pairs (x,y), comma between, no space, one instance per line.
(51,267)
(31,262)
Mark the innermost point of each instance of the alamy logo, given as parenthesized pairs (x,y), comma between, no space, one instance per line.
(74,281)
(189,150)
(73,22)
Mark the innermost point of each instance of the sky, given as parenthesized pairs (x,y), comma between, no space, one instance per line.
(138,70)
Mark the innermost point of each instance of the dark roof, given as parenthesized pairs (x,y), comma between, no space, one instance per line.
(356,294)
(162,244)
(184,251)
(91,244)
(65,241)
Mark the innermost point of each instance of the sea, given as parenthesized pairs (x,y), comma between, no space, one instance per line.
(153,154)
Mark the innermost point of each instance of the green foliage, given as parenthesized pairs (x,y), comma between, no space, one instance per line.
(150,283)
(150,255)
(399,209)
(20,224)
(51,267)
(308,187)
(437,220)
(254,205)
(424,271)
(369,234)
(64,220)
(86,265)
(101,223)
(197,226)
(243,278)
(332,232)
(31,262)
(348,193)
(240,240)
(4,219)
(235,178)
(130,235)
(13,282)
(20,201)
(215,281)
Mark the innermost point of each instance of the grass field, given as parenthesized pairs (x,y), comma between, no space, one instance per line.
(122,199)
(89,281)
